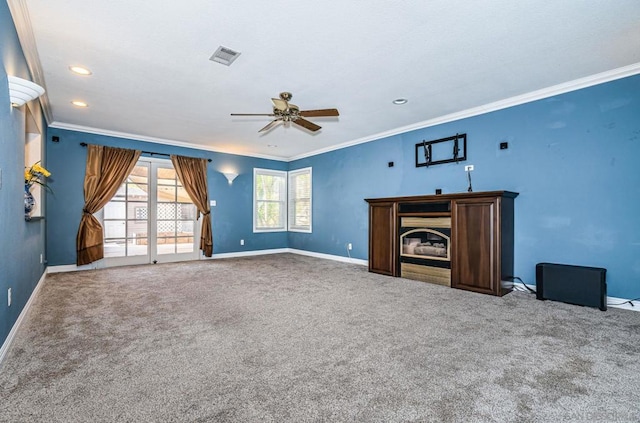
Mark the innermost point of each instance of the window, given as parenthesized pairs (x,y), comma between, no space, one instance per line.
(280,197)
(270,199)
(300,200)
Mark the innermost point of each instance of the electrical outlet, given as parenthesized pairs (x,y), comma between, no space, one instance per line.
(349,246)
(242,242)
(468,168)
(212,203)
(9,297)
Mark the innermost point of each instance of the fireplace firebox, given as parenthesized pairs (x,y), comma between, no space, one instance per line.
(425,249)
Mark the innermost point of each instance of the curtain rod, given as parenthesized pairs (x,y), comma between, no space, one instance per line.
(84,144)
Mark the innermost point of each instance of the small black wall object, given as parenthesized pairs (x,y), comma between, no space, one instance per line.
(390,164)
(504,145)
(55,139)
(438,191)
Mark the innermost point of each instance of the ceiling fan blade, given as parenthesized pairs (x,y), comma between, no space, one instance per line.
(280,104)
(270,125)
(252,114)
(319,113)
(306,124)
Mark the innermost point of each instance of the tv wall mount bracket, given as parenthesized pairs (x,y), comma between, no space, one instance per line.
(445,150)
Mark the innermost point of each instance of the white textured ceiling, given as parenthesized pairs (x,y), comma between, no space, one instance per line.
(152,77)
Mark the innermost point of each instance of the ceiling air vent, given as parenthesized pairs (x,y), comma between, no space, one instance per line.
(224,55)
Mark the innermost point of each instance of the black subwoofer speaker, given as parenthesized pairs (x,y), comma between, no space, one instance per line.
(585,286)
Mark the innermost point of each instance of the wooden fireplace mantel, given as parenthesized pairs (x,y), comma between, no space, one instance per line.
(482,236)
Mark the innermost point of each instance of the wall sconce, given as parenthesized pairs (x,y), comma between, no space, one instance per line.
(230,176)
(21,91)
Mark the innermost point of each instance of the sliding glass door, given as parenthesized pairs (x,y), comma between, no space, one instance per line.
(151,219)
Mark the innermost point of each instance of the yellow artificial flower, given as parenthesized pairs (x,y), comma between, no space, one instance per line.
(36,168)
(33,174)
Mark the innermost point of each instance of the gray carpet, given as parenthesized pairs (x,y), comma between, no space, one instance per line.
(289,338)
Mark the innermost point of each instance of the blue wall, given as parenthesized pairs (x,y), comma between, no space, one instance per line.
(573,158)
(21,243)
(231,218)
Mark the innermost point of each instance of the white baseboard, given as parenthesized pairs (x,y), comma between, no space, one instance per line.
(12,333)
(622,303)
(523,286)
(289,250)
(247,253)
(329,257)
(72,268)
(614,302)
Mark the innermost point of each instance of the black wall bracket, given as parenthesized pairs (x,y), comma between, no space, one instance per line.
(445,150)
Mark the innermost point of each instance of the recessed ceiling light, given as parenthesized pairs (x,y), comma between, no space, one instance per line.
(272,145)
(400,101)
(79,103)
(80,70)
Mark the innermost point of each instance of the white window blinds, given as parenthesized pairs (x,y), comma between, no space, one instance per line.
(269,200)
(300,200)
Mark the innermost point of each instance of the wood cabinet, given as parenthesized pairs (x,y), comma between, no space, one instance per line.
(481,242)
(383,238)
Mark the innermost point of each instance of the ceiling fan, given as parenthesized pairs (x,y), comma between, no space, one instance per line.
(283,111)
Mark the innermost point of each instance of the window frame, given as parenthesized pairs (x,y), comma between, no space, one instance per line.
(291,199)
(283,201)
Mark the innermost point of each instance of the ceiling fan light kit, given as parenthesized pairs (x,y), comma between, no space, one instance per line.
(284,112)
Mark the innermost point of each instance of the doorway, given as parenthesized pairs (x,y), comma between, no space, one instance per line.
(151,219)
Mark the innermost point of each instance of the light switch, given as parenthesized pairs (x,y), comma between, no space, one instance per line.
(212,203)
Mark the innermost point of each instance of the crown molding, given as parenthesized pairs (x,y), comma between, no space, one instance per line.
(143,138)
(22,21)
(599,78)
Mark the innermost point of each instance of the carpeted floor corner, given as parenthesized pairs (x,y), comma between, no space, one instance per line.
(289,338)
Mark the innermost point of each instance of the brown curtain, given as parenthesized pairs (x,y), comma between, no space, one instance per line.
(107,169)
(192,173)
